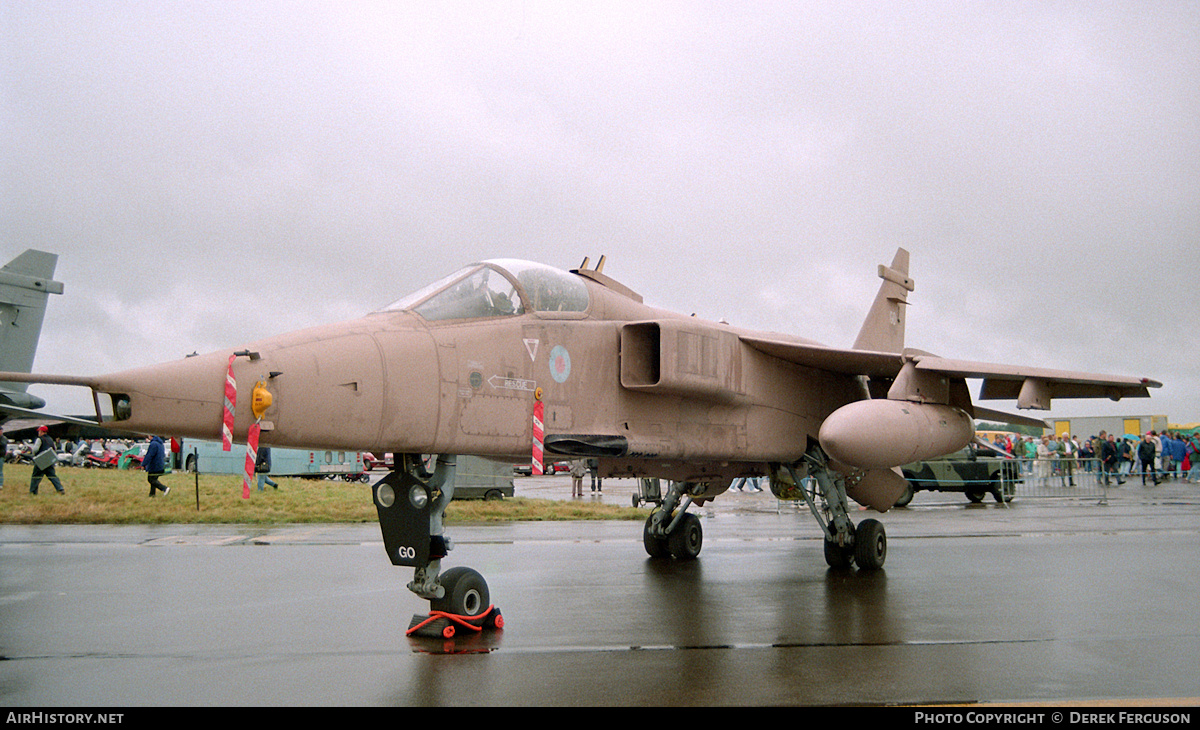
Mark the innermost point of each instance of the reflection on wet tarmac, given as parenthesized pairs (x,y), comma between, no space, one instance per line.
(481,643)
(1031,602)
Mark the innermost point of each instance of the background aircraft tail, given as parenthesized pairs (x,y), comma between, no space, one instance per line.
(26,283)
(883,330)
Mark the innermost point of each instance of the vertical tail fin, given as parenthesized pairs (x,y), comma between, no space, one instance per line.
(26,283)
(883,330)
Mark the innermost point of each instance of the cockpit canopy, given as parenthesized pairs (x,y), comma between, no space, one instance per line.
(497,288)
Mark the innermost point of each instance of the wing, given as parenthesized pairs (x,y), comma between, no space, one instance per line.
(835,360)
(1036,387)
(1031,387)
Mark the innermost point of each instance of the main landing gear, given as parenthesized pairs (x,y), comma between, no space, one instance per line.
(673,532)
(670,530)
(410,502)
(845,544)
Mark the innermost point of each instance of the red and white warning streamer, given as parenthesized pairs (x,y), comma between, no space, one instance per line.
(538,435)
(251,457)
(227,429)
(230,405)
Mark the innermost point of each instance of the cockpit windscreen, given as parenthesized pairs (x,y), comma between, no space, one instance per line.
(487,290)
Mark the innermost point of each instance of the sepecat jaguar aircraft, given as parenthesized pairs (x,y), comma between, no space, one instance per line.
(513,359)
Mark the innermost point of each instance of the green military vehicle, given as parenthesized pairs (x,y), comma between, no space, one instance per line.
(976,471)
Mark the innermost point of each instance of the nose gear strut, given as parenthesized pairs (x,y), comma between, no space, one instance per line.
(411,502)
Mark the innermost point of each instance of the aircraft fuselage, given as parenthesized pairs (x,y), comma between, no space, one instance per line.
(686,397)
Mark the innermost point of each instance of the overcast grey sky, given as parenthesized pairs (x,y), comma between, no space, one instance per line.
(215,172)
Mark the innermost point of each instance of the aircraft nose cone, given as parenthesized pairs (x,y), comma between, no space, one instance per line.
(181,398)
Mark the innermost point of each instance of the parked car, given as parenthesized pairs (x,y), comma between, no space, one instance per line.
(370,461)
(976,471)
(555,467)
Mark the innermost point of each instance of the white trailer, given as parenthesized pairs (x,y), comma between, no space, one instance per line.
(208,457)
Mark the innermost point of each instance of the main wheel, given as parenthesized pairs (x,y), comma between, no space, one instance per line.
(466,593)
(685,540)
(975,497)
(656,547)
(870,545)
(838,557)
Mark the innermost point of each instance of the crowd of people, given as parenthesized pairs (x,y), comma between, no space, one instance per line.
(152,456)
(123,453)
(1106,457)
(46,453)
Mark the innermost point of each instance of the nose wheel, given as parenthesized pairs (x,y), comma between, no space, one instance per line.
(466,593)
(463,609)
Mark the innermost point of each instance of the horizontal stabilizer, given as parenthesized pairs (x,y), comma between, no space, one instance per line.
(987,414)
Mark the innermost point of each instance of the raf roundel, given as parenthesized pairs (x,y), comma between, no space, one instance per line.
(560,364)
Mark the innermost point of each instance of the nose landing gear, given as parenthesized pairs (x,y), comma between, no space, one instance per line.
(410,503)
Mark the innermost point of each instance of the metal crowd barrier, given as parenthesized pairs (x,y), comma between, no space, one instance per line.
(1071,477)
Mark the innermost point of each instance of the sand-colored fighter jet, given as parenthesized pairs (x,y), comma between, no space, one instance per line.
(508,358)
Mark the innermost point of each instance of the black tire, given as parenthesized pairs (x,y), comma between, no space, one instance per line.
(687,538)
(870,545)
(493,495)
(907,496)
(975,497)
(838,557)
(656,547)
(466,593)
